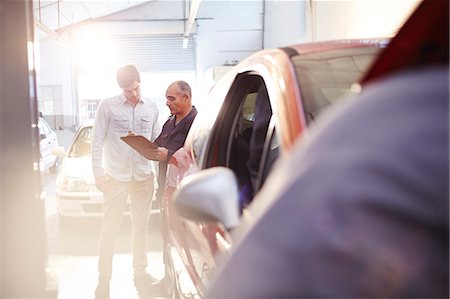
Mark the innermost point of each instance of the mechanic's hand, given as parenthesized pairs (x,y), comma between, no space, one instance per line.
(101,182)
(157,154)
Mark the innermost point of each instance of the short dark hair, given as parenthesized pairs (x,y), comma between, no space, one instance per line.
(184,87)
(127,74)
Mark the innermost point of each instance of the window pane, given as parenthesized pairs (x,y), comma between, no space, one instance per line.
(326,77)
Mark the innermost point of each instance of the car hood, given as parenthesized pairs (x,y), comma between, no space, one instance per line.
(80,167)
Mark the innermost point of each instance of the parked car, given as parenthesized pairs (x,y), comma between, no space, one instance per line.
(255,113)
(48,141)
(76,193)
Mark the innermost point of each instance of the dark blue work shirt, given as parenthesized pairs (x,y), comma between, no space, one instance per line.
(172,137)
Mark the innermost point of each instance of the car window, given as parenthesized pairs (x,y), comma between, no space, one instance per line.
(82,143)
(41,129)
(326,77)
(238,142)
(208,110)
(199,133)
(44,128)
(239,153)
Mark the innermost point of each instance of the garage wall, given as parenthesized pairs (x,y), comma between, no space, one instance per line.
(356,19)
(54,71)
(288,22)
(285,23)
(226,38)
(225,32)
(219,39)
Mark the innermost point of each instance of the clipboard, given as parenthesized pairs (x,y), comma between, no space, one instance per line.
(140,144)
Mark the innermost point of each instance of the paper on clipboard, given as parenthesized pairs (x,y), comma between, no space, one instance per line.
(140,144)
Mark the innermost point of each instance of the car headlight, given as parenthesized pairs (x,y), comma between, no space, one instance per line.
(73,184)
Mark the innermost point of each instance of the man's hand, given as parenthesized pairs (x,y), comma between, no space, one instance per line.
(157,154)
(101,182)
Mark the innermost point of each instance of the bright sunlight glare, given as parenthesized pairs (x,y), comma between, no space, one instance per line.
(365,17)
(95,52)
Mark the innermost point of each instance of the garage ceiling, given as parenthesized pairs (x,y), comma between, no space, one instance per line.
(57,14)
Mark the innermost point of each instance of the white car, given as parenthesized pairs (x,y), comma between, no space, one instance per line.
(48,141)
(76,193)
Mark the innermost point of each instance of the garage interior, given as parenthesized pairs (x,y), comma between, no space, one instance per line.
(58,59)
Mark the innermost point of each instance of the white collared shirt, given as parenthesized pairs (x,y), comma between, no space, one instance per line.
(115,117)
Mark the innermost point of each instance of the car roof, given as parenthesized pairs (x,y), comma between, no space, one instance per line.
(338,44)
(301,49)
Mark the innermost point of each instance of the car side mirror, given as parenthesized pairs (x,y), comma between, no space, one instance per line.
(42,136)
(210,195)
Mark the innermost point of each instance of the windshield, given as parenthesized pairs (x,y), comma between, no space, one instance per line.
(82,143)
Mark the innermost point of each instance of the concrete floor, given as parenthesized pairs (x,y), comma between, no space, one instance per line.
(73,250)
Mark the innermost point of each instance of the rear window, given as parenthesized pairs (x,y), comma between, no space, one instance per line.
(82,143)
(327,77)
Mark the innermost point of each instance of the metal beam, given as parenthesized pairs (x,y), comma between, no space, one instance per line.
(51,33)
(191,20)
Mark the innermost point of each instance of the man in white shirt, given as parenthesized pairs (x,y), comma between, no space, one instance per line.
(120,172)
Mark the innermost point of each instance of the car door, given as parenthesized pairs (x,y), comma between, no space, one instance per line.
(240,142)
(233,141)
(48,142)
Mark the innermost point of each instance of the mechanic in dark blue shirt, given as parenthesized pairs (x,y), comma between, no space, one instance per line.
(174,130)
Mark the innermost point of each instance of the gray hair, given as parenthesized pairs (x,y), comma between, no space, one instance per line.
(184,87)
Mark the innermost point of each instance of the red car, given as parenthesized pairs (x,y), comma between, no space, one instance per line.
(251,117)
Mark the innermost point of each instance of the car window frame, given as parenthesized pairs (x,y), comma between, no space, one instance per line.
(70,151)
(219,139)
(219,148)
(265,167)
